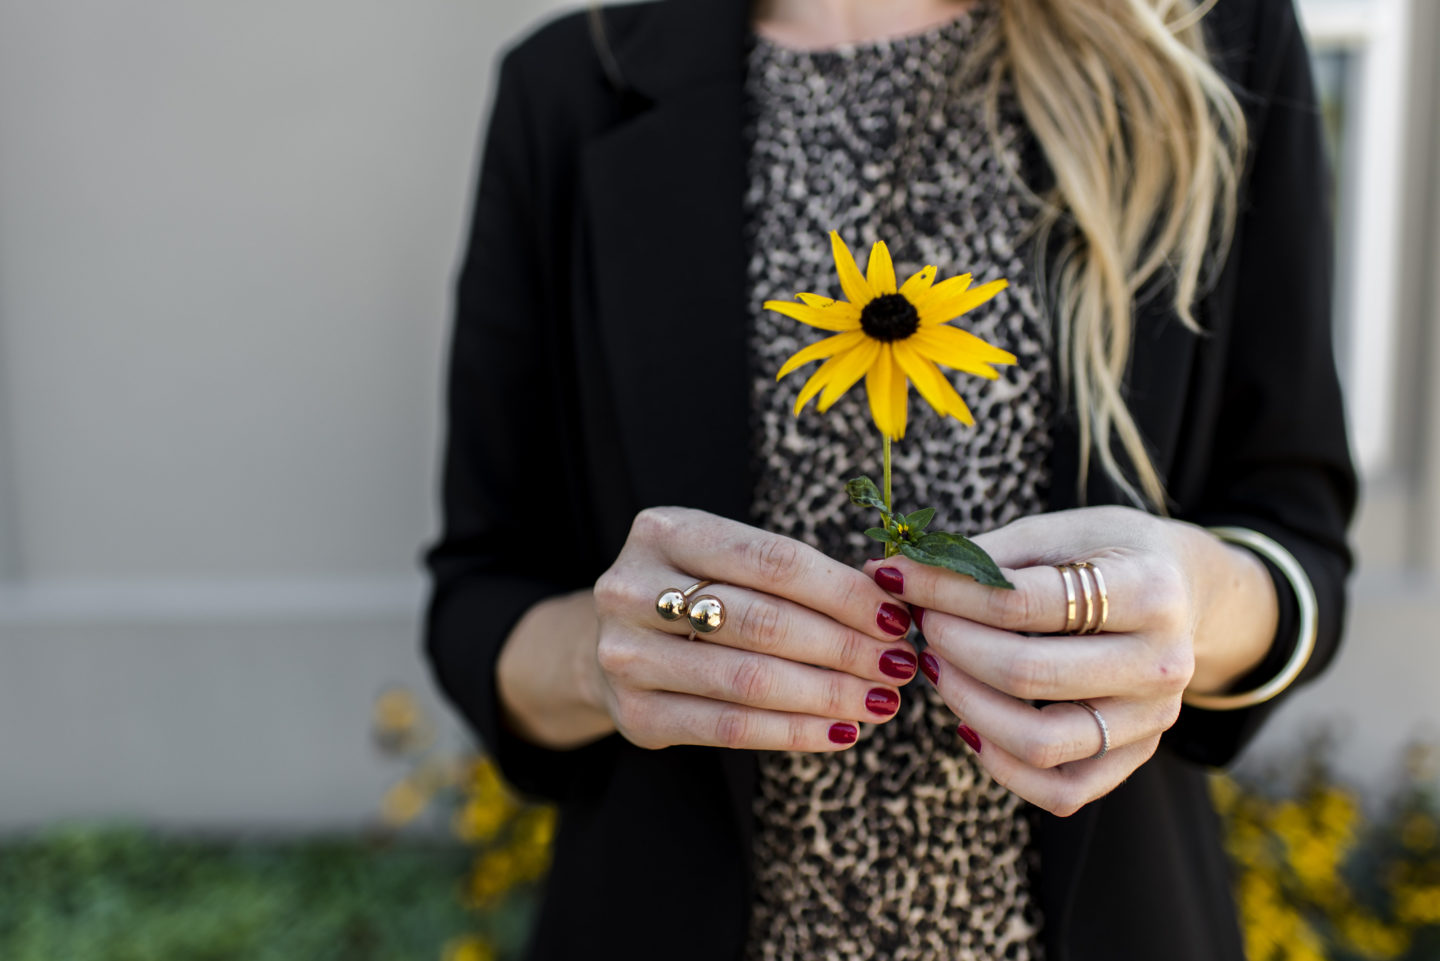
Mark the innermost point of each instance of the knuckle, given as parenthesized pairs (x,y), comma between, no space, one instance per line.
(1011,610)
(659,525)
(615,656)
(776,560)
(856,653)
(751,681)
(611,589)
(835,699)
(650,525)
(732,728)
(1066,803)
(853,592)
(1174,668)
(796,734)
(631,718)
(1044,752)
(1029,676)
(762,624)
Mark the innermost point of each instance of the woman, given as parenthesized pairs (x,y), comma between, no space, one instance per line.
(1148,175)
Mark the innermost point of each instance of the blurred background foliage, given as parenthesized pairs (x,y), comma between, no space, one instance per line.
(1319,877)
(124,894)
(451,871)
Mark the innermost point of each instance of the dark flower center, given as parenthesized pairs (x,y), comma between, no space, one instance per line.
(889,317)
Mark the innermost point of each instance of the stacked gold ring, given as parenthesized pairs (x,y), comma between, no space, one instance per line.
(706,613)
(1088,607)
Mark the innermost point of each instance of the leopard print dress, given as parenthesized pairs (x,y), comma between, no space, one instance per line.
(901,848)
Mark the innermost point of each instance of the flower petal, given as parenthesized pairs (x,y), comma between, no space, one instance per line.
(948,287)
(856,287)
(826,318)
(940,305)
(899,391)
(919,283)
(880,271)
(851,367)
(839,308)
(820,350)
(959,349)
(877,390)
(934,386)
(817,381)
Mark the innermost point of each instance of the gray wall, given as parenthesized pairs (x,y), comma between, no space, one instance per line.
(227,233)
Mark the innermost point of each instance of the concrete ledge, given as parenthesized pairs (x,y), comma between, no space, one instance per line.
(251,716)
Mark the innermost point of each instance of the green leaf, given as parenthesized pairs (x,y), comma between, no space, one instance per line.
(864,493)
(880,534)
(921,519)
(958,554)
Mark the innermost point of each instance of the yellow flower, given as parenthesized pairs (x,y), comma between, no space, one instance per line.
(891,335)
(469,948)
(403,803)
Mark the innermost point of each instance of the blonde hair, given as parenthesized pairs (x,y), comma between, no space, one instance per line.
(1145,141)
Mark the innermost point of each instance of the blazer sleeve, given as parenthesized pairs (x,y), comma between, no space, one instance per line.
(506,484)
(1280,459)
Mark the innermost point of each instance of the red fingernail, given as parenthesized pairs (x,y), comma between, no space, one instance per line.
(844,733)
(931,667)
(893,619)
(899,664)
(890,580)
(968,735)
(919,614)
(882,702)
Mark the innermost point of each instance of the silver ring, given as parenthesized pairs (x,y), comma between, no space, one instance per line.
(1104,730)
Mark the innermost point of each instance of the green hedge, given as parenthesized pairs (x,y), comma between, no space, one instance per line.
(121,894)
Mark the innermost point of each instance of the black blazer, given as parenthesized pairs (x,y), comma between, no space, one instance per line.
(601,308)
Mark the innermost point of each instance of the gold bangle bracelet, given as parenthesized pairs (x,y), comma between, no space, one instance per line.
(1307,616)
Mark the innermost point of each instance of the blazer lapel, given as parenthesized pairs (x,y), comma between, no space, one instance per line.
(663,204)
(663,198)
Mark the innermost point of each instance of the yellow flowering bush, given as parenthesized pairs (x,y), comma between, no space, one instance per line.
(511,839)
(1316,879)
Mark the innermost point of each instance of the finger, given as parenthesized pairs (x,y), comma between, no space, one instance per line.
(726,551)
(1055,734)
(661,719)
(766,624)
(1064,790)
(1061,668)
(1142,593)
(1042,540)
(662,662)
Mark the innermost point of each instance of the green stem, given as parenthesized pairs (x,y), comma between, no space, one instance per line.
(889,548)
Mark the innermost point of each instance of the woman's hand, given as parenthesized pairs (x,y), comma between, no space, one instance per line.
(809,648)
(1185,610)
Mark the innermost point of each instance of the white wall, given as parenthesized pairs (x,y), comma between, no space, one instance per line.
(227,233)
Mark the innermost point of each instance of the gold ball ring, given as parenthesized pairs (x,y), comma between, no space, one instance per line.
(673,604)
